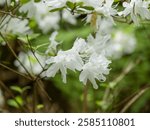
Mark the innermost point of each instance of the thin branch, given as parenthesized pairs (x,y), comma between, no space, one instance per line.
(41,86)
(134,99)
(14,71)
(14,54)
(33,52)
(34,98)
(130,66)
(10,13)
(85,100)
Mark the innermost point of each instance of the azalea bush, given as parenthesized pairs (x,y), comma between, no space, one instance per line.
(74,55)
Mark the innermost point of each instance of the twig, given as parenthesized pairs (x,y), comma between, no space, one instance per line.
(130,66)
(33,52)
(34,98)
(14,54)
(134,99)
(85,101)
(9,13)
(41,86)
(14,71)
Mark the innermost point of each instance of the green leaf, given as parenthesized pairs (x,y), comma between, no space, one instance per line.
(12,103)
(19,100)
(88,8)
(57,9)
(79,4)
(24,1)
(37,0)
(40,106)
(15,102)
(117,0)
(70,5)
(30,37)
(16,88)
(26,88)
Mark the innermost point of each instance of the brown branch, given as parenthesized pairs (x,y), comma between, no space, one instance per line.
(14,54)
(14,71)
(134,99)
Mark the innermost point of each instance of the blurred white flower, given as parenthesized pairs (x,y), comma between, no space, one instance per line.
(2,2)
(52,48)
(79,45)
(28,8)
(98,44)
(30,62)
(93,3)
(45,19)
(107,10)
(136,8)
(121,44)
(95,69)
(105,26)
(55,3)
(68,17)
(15,26)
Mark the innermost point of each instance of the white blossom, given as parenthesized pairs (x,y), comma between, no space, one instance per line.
(55,3)
(15,26)
(64,60)
(30,62)
(98,44)
(68,17)
(107,10)
(136,8)
(2,2)
(45,19)
(121,44)
(79,45)
(29,8)
(52,48)
(95,69)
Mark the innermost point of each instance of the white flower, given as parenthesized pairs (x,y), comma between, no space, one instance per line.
(64,60)
(105,25)
(121,44)
(136,8)
(93,3)
(15,26)
(40,12)
(95,69)
(79,45)
(45,19)
(30,62)
(98,44)
(68,17)
(52,48)
(29,8)
(55,3)
(2,2)
(107,10)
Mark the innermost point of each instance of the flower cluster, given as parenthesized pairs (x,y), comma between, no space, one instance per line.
(86,56)
(90,56)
